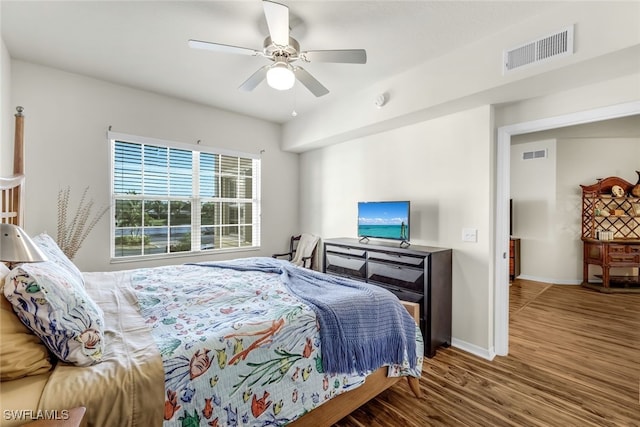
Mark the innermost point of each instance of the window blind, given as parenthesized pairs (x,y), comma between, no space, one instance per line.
(177,200)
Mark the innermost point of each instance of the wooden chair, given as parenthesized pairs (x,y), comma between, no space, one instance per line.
(309,246)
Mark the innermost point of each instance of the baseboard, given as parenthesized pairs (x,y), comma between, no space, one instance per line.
(550,280)
(487,354)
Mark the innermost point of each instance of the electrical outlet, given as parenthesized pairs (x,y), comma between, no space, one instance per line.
(470,235)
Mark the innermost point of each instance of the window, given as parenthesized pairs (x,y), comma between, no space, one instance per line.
(168,198)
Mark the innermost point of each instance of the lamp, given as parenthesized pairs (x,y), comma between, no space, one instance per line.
(16,246)
(280,76)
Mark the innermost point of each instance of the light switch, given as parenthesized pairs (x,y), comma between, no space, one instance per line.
(469,234)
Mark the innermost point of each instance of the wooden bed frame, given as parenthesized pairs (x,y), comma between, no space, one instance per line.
(11,195)
(11,188)
(344,404)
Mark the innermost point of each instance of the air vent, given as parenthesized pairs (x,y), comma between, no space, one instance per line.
(553,46)
(538,154)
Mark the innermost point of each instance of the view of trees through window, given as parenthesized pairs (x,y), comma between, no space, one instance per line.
(168,200)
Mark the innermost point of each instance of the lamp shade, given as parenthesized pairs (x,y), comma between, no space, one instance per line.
(17,246)
(280,76)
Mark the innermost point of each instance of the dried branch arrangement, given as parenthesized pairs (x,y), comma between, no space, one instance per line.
(72,230)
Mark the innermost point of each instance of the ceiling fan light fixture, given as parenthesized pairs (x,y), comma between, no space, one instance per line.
(280,76)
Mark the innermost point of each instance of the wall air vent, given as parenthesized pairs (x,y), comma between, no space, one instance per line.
(555,45)
(538,154)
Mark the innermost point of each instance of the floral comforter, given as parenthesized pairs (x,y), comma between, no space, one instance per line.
(237,348)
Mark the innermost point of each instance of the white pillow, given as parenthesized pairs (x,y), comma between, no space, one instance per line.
(51,249)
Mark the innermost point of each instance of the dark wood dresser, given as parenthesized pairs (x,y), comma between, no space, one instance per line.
(419,274)
(514,258)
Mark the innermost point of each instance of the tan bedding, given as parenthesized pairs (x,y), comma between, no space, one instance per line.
(20,395)
(127,388)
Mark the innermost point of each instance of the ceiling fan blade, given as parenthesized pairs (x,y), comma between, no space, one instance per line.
(278,22)
(256,78)
(346,56)
(314,86)
(217,47)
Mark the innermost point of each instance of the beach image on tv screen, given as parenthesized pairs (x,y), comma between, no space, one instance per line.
(387,220)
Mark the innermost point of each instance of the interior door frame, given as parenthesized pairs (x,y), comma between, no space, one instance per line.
(503,175)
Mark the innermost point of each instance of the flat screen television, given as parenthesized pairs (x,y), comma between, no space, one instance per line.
(384,220)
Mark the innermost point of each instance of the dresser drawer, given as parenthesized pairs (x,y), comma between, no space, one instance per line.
(352,252)
(403,294)
(414,261)
(623,254)
(622,259)
(396,275)
(346,265)
(617,249)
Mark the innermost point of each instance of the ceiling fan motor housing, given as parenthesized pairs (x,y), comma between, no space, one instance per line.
(271,50)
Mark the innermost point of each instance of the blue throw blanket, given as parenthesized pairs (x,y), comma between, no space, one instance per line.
(362,326)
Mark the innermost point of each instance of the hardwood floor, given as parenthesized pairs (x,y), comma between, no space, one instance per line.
(574,360)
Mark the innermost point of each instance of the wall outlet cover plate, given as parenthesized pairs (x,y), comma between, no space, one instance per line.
(469,234)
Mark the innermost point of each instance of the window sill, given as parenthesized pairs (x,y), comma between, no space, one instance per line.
(143,258)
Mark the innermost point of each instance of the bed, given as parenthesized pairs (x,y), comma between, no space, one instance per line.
(241,342)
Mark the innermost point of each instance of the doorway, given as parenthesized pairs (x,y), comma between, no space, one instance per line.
(501,294)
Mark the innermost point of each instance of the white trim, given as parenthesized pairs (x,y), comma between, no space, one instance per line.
(501,255)
(501,303)
(550,280)
(164,257)
(473,349)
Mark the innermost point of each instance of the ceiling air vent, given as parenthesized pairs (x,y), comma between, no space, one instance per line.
(555,45)
(538,154)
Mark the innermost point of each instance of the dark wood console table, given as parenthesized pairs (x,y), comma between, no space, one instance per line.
(419,274)
(611,254)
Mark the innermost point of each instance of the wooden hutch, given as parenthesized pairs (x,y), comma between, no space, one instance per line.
(611,235)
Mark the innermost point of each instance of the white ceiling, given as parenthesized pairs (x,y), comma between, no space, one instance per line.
(143,44)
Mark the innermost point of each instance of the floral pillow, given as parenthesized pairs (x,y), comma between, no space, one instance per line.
(53,252)
(21,352)
(55,306)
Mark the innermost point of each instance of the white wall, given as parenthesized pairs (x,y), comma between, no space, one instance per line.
(6,114)
(471,76)
(443,167)
(66,120)
(406,162)
(604,93)
(583,161)
(547,195)
(533,192)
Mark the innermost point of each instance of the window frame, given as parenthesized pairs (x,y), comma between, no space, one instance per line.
(195,199)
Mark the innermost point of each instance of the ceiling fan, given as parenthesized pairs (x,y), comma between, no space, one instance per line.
(283,50)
